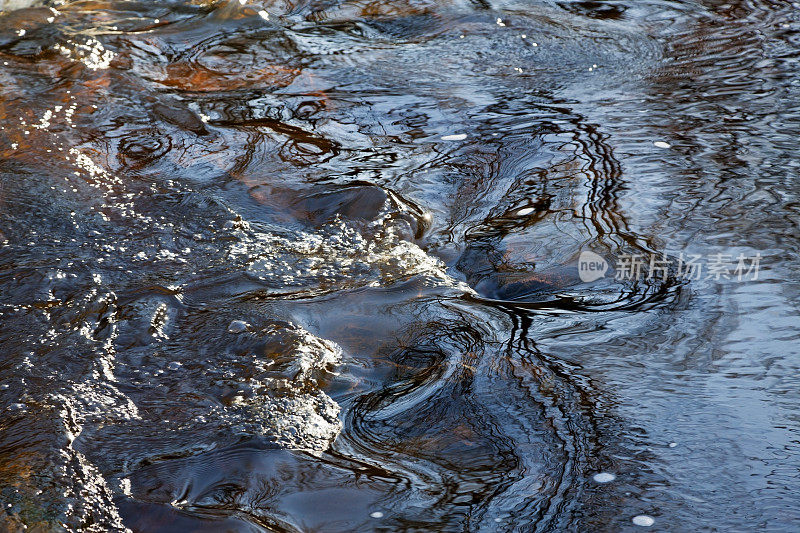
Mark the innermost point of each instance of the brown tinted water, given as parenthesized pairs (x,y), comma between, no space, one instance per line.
(313,266)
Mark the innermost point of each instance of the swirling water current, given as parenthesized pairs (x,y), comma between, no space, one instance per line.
(313,265)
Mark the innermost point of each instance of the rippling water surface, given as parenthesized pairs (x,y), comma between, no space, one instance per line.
(312,265)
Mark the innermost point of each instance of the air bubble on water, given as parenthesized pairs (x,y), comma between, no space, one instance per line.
(238,326)
(661,144)
(672,444)
(604,477)
(376,514)
(454,137)
(643,520)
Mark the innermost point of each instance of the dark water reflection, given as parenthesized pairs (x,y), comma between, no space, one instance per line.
(311,266)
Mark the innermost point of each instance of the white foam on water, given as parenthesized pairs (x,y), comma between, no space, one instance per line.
(91,53)
(125,486)
(338,257)
(454,137)
(661,144)
(286,403)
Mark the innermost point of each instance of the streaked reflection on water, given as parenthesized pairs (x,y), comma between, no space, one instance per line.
(311,265)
